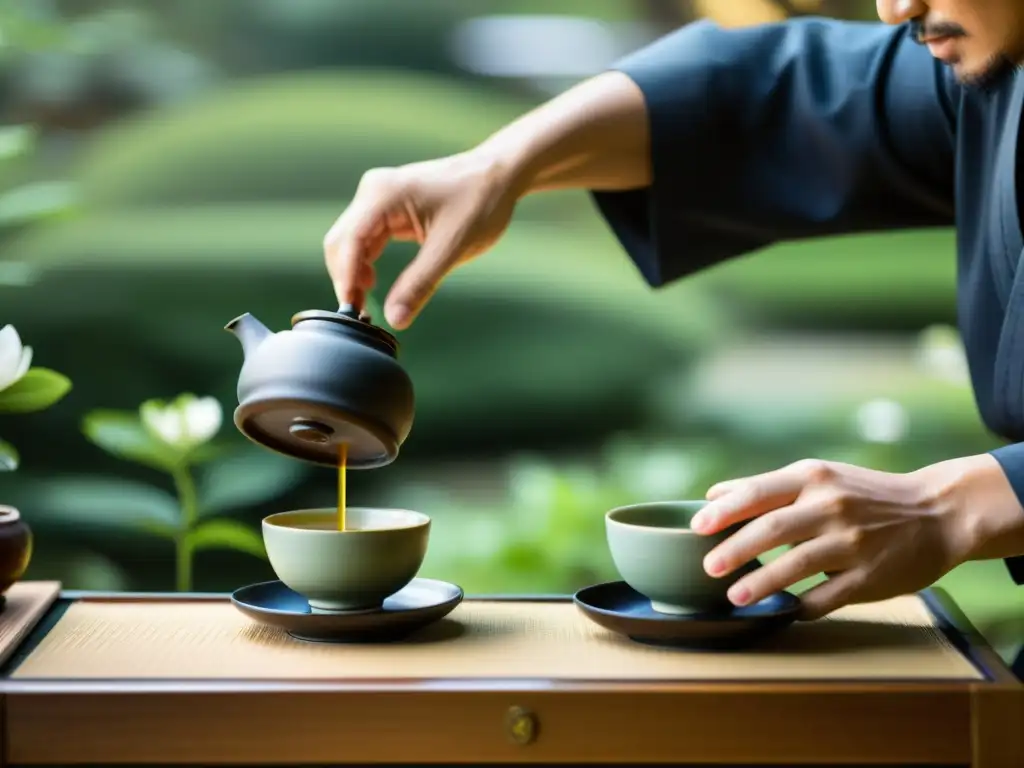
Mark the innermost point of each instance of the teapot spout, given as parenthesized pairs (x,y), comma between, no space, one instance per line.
(249,331)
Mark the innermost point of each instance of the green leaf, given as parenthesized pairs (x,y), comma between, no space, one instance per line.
(207,452)
(75,501)
(18,273)
(121,434)
(9,458)
(34,202)
(247,478)
(79,568)
(24,30)
(15,141)
(226,534)
(35,391)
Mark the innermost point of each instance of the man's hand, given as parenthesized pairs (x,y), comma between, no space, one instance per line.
(593,136)
(875,534)
(454,207)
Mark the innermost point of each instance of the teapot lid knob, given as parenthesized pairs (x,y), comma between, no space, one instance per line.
(350,310)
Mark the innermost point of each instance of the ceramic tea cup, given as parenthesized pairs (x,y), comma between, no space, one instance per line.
(661,557)
(379,552)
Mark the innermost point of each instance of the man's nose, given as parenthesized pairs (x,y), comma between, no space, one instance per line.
(900,11)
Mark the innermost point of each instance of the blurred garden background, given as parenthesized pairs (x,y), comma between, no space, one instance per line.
(168,166)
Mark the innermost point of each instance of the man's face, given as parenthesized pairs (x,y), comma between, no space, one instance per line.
(980,39)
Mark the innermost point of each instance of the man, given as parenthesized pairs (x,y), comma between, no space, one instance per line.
(709,144)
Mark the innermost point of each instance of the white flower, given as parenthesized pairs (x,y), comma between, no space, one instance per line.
(186,422)
(15,359)
(882,421)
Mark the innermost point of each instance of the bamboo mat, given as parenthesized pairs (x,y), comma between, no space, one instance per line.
(890,640)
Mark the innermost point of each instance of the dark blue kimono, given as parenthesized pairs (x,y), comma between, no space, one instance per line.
(817,127)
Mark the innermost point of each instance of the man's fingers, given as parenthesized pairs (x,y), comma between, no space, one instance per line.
(739,500)
(748,499)
(843,589)
(791,524)
(806,560)
(352,245)
(366,277)
(421,278)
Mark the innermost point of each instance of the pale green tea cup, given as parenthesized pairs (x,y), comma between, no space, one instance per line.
(661,557)
(379,552)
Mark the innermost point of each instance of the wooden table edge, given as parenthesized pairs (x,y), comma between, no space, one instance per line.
(965,637)
(970,718)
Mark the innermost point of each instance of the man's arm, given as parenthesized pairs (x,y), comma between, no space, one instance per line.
(1007,540)
(805,128)
(706,145)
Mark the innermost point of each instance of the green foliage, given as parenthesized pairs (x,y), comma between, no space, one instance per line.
(857,280)
(15,141)
(326,34)
(548,535)
(243,479)
(122,434)
(9,458)
(603,10)
(225,534)
(32,201)
(36,201)
(175,437)
(90,501)
(13,274)
(77,566)
(814,400)
(37,390)
(28,27)
(288,138)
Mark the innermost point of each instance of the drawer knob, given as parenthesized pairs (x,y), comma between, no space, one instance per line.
(521,726)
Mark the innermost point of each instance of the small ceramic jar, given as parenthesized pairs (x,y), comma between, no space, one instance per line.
(15,547)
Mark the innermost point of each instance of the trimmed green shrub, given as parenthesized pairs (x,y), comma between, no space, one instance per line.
(312,34)
(297,138)
(291,137)
(890,280)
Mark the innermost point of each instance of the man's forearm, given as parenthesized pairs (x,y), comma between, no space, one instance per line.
(976,494)
(593,136)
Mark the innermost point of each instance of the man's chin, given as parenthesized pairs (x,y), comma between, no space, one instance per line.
(988,74)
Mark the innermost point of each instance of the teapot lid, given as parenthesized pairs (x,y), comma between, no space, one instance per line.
(352,318)
(312,430)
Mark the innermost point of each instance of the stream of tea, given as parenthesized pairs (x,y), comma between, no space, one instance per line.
(342,462)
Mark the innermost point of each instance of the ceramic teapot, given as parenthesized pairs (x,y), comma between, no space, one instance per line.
(333,378)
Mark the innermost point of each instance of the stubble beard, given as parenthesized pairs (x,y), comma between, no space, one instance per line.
(996,72)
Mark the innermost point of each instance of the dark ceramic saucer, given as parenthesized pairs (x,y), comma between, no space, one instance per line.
(620,608)
(421,603)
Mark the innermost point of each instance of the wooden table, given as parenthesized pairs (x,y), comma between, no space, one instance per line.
(100,679)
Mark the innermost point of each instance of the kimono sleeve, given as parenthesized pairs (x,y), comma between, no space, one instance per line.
(1011,460)
(805,128)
